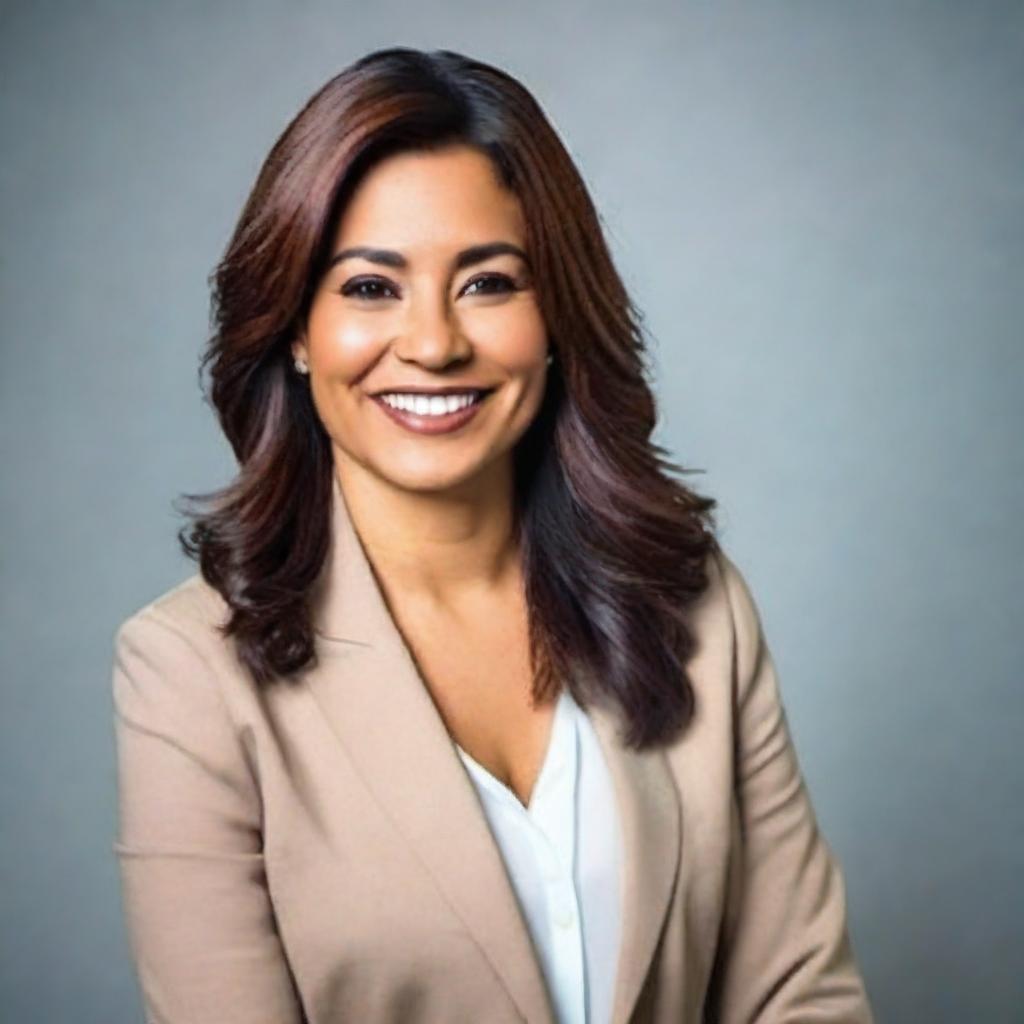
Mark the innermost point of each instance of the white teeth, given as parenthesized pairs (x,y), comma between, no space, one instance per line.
(429,405)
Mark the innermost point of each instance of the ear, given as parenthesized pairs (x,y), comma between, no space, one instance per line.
(299,346)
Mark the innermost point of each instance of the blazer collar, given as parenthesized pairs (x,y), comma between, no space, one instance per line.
(371,691)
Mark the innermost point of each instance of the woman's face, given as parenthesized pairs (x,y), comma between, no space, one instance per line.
(424,313)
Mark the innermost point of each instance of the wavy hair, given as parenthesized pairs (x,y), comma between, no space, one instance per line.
(614,548)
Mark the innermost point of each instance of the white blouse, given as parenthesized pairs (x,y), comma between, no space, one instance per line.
(564,858)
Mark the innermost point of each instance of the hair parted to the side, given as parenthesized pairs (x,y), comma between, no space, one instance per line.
(614,548)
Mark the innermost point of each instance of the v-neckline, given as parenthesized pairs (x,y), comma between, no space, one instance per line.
(559,723)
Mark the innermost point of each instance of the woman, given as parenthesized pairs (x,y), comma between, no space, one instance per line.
(467,716)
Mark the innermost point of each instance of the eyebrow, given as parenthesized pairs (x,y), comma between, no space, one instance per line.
(464,258)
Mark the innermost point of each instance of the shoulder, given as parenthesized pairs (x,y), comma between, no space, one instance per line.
(174,641)
(728,598)
(173,677)
(726,621)
(191,607)
(737,597)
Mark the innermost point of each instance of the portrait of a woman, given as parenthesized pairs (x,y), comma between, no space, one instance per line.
(465,715)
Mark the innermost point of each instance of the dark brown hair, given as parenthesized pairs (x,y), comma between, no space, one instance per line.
(614,548)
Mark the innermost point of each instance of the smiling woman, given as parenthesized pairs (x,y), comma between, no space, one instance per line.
(466,715)
(449,343)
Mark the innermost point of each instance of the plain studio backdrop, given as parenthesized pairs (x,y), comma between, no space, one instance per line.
(818,208)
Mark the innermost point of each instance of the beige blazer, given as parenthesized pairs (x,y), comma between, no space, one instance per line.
(317,852)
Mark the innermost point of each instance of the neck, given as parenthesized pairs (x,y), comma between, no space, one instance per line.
(442,548)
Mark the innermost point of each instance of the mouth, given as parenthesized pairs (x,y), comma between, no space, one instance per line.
(434,411)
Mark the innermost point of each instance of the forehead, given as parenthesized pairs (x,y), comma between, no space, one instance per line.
(427,200)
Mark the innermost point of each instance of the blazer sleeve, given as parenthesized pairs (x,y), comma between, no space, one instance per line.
(785,955)
(189,848)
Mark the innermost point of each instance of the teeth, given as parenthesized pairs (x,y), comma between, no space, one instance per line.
(429,405)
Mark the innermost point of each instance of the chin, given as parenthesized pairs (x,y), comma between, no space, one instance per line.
(427,479)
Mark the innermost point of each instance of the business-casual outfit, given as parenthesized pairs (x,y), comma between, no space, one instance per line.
(563,857)
(320,851)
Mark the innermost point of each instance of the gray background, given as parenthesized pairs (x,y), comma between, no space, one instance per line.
(818,206)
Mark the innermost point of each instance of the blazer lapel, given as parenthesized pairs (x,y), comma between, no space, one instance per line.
(370,689)
(651,823)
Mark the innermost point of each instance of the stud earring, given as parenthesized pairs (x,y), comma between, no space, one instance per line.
(301,365)
(551,359)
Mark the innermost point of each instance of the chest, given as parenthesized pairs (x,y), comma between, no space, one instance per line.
(390,894)
(478,674)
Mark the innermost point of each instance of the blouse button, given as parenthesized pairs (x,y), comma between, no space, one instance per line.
(564,915)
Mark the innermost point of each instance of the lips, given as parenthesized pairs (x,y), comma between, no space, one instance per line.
(428,392)
(427,425)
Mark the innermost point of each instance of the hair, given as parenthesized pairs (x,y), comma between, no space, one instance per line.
(614,548)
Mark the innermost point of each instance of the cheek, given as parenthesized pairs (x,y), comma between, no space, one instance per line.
(342,347)
(517,338)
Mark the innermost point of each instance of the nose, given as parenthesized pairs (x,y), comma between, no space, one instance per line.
(431,335)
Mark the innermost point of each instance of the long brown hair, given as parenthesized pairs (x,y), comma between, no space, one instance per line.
(614,548)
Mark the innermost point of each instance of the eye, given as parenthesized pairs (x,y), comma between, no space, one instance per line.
(372,288)
(365,287)
(505,284)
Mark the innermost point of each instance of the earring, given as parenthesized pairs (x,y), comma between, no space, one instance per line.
(301,365)
(551,359)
